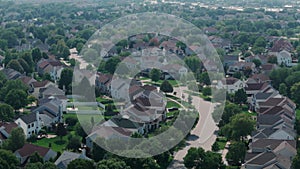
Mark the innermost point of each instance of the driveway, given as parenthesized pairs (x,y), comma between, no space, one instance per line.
(203,135)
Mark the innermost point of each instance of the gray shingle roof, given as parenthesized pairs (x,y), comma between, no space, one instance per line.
(29,118)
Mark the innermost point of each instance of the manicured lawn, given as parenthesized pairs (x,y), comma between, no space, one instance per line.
(222,143)
(172,82)
(57,144)
(171,104)
(103,100)
(85,118)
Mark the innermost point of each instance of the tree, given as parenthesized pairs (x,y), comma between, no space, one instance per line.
(98,152)
(206,91)
(237,75)
(166,87)
(25,66)
(81,164)
(112,164)
(14,64)
(6,112)
(204,78)
(197,158)
(296,161)
(240,96)
(112,64)
(35,158)
(16,98)
(257,62)
(61,130)
(8,159)
(239,127)
(74,143)
(272,59)
(215,147)
(16,139)
(229,111)
(36,54)
(295,93)
(155,75)
(193,62)
(283,89)
(66,79)
(236,152)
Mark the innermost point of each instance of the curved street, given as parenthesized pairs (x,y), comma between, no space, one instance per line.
(203,135)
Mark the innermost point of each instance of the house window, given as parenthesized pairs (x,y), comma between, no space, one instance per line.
(32,124)
(29,133)
(28,126)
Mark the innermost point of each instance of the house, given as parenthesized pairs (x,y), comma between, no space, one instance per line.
(107,133)
(280,45)
(254,88)
(241,66)
(103,82)
(259,78)
(261,97)
(50,90)
(126,123)
(131,63)
(231,84)
(66,157)
(11,74)
(30,123)
(284,58)
(270,153)
(230,60)
(53,67)
(50,112)
(262,58)
(267,68)
(36,86)
(283,133)
(270,121)
(173,71)
(27,80)
(5,130)
(24,153)
(119,89)
(279,102)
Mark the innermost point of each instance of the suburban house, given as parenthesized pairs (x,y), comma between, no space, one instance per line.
(51,90)
(30,123)
(107,133)
(50,112)
(262,58)
(241,66)
(267,68)
(119,89)
(280,45)
(270,153)
(27,80)
(5,130)
(24,153)
(230,60)
(282,133)
(66,157)
(231,84)
(258,78)
(36,86)
(125,122)
(254,88)
(284,58)
(53,67)
(11,74)
(261,97)
(103,82)
(172,71)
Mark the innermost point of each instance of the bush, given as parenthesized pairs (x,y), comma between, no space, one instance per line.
(71,121)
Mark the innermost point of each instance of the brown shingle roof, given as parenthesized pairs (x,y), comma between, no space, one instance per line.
(29,149)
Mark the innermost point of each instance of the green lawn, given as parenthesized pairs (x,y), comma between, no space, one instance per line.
(57,144)
(171,104)
(222,142)
(85,118)
(158,83)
